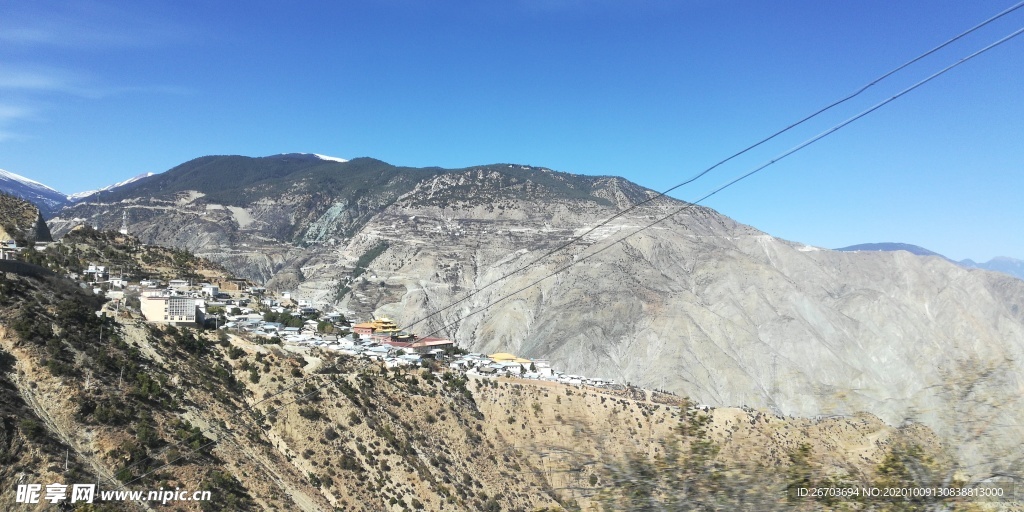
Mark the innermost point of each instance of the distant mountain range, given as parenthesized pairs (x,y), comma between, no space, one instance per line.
(190,176)
(230,186)
(1011,266)
(79,196)
(892,246)
(48,200)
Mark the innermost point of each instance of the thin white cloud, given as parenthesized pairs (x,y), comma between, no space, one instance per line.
(12,77)
(34,82)
(27,35)
(91,25)
(43,80)
(37,89)
(12,112)
(72,37)
(10,115)
(63,30)
(170,90)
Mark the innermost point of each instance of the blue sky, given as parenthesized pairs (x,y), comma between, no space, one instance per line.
(95,92)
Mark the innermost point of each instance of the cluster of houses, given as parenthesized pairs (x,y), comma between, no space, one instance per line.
(180,302)
(382,340)
(103,280)
(10,250)
(509,365)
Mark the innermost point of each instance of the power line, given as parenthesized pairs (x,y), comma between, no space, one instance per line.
(742,177)
(659,220)
(690,180)
(697,176)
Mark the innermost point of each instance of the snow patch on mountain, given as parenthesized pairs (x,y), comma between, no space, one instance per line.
(82,195)
(45,198)
(315,155)
(25,181)
(331,158)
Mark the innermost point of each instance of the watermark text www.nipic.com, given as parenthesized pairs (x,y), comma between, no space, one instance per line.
(87,493)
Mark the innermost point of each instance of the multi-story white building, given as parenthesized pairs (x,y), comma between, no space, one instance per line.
(174,310)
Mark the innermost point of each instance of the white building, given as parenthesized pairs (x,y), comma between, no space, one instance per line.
(174,310)
(178,284)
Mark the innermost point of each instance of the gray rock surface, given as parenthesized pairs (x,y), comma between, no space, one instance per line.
(698,304)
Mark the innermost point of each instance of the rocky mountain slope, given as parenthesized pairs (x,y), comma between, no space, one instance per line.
(21,221)
(108,399)
(698,304)
(112,400)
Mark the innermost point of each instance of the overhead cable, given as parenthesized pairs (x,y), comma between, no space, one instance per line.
(796,148)
(836,103)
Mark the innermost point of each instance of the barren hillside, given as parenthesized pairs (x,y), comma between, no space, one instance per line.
(697,304)
(265,427)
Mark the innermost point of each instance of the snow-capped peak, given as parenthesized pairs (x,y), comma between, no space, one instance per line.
(25,181)
(82,195)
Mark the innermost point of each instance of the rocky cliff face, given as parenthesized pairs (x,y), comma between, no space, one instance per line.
(697,304)
(720,311)
(21,221)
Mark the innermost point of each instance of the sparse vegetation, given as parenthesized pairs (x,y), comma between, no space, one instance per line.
(367,257)
(419,437)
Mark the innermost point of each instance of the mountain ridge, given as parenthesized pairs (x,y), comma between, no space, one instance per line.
(1002,264)
(130,405)
(81,196)
(45,198)
(892,246)
(698,304)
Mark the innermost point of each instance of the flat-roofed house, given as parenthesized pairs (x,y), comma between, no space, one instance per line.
(428,343)
(166,309)
(178,284)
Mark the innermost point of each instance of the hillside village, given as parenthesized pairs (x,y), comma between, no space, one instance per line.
(183,320)
(238,307)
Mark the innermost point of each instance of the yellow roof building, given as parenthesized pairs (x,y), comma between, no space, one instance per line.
(379,325)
